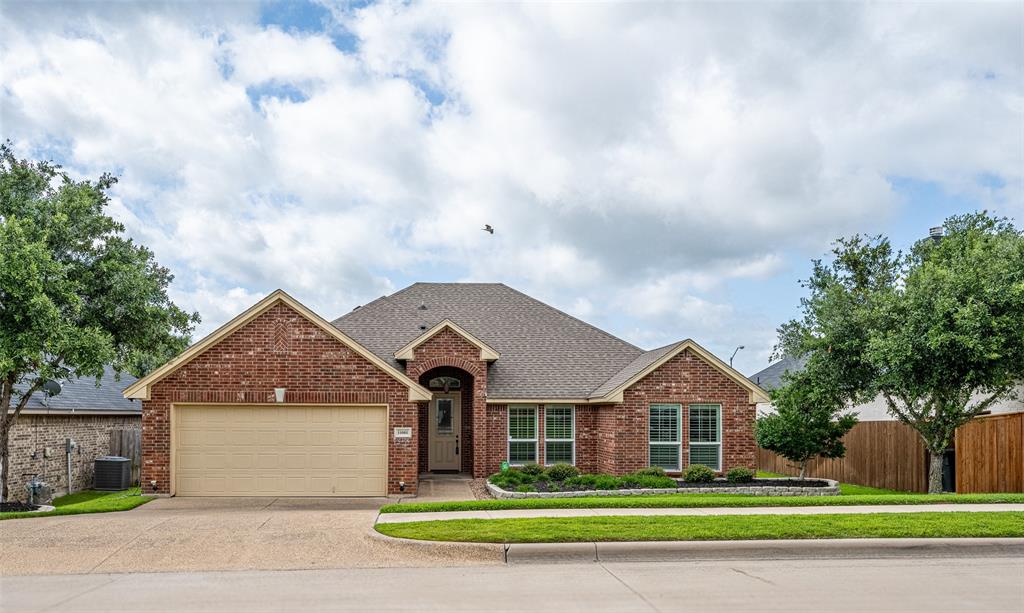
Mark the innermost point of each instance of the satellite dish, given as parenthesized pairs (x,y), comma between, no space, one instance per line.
(51,387)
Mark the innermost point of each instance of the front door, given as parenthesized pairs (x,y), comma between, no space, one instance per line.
(443,436)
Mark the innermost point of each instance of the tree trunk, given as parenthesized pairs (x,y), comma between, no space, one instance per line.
(935,472)
(4,463)
(803,469)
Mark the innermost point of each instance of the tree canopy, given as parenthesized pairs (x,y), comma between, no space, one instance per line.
(76,295)
(928,330)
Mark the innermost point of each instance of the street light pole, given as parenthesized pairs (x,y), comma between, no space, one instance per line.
(734,354)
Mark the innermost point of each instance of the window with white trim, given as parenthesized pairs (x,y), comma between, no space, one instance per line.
(665,441)
(706,435)
(522,434)
(559,434)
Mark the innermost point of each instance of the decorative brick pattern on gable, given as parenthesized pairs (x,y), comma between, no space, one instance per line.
(279,348)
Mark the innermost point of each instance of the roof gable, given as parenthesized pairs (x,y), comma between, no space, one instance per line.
(141,388)
(613,389)
(408,352)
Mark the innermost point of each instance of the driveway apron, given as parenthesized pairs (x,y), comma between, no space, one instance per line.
(182,534)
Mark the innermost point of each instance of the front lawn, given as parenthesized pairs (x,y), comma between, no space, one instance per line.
(720,527)
(845,489)
(89,501)
(697,501)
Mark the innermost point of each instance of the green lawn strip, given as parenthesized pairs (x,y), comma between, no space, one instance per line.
(89,501)
(694,501)
(846,489)
(722,527)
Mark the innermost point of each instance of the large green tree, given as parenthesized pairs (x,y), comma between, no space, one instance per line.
(76,295)
(938,332)
(809,420)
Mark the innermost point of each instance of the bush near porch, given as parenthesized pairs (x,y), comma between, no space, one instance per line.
(567,478)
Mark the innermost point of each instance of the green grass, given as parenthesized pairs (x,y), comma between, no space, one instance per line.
(696,501)
(89,501)
(845,489)
(722,527)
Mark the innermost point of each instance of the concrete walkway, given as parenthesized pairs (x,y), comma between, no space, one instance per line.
(388,518)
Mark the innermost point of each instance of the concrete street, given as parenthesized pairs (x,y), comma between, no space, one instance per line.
(992,585)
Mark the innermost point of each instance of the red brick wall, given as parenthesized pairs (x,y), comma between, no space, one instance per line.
(32,434)
(684,379)
(449,349)
(496,435)
(279,348)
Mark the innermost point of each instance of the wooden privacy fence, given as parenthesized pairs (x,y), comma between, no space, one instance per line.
(990,455)
(128,444)
(884,454)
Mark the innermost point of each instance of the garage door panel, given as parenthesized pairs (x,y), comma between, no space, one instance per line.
(281,451)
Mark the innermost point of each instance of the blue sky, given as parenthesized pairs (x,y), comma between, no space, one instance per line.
(662,171)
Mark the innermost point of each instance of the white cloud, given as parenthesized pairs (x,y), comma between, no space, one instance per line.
(636,160)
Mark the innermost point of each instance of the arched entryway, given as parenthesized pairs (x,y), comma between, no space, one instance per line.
(446,422)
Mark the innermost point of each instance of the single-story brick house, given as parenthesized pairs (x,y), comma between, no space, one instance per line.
(438,377)
(83,411)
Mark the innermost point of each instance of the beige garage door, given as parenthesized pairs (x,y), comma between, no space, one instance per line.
(272,450)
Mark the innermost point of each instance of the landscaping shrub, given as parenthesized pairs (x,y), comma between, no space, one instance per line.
(653,471)
(637,480)
(607,482)
(511,478)
(532,469)
(740,475)
(581,482)
(698,473)
(561,472)
(526,487)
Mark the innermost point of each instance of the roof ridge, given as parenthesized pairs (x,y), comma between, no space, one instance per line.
(568,316)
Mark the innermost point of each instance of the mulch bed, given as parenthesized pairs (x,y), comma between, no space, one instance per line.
(16,507)
(544,486)
(758,483)
(479,489)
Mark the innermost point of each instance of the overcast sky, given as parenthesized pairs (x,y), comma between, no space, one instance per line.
(662,171)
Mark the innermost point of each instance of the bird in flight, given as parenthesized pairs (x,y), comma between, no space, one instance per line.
(487,228)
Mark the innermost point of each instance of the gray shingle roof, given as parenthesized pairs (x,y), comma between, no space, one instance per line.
(771,377)
(641,362)
(545,353)
(83,395)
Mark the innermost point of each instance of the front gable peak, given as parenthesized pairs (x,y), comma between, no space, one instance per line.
(407,353)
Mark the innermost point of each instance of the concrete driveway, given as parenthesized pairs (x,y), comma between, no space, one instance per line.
(186,534)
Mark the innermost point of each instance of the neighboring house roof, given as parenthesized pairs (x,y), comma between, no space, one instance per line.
(544,352)
(83,395)
(140,389)
(771,377)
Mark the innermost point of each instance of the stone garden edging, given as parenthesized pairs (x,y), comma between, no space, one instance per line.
(832,489)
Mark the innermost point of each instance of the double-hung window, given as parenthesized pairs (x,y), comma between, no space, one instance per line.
(522,434)
(706,435)
(559,434)
(664,436)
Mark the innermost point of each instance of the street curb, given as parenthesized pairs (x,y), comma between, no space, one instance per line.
(497,549)
(659,551)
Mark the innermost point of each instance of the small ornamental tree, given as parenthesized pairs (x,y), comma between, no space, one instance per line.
(937,333)
(808,422)
(75,294)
